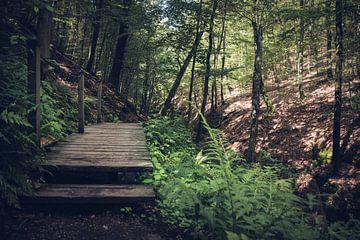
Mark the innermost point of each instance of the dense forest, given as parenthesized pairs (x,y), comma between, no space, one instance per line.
(250,109)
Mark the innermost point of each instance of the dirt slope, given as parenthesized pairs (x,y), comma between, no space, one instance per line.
(296,129)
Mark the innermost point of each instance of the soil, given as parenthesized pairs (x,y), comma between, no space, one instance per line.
(87,222)
(296,130)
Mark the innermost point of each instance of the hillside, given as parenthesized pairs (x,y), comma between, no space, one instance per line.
(298,134)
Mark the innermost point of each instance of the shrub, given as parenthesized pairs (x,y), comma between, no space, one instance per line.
(213,193)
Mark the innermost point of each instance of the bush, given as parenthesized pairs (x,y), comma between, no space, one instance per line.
(213,193)
(19,152)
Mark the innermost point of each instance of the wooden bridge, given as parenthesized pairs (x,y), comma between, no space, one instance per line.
(101,165)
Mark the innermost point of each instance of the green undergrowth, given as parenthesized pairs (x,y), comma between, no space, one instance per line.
(213,193)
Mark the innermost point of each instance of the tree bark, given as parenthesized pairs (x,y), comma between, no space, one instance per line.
(180,74)
(256,88)
(118,60)
(95,36)
(207,71)
(338,87)
(223,54)
(328,41)
(44,28)
(198,21)
(301,52)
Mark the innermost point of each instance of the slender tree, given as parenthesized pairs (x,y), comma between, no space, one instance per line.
(118,61)
(223,23)
(256,88)
(328,40)
(95,36)
(338,86)
(43,29)
(181,73)
(300,67)
(191,85)
(208,69)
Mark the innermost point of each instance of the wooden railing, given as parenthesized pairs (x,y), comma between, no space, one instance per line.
(33,85)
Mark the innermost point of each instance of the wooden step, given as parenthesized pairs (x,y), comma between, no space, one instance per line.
(76,193)
(99,165)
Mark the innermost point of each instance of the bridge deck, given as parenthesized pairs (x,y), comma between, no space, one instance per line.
(106,149)
(103,147)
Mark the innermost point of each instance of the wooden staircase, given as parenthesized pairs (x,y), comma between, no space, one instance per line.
(102,165)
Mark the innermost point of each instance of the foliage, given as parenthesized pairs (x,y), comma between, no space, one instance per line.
(322,156)
(18,150)
(213,192)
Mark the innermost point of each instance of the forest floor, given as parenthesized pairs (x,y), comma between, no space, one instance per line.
(87,222)
(296,130)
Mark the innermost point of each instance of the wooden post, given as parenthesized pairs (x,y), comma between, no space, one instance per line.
(99,95)
(81,116)
(33,85)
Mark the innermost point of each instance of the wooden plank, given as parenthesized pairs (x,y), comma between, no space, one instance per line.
(94,166)
(105,140)
(97,144)
(108,155)
(105,136)
(75,193)
(86,148)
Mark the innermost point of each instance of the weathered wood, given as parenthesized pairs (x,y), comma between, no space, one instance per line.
(108,150)
(96,151)
(96,144)
(81,148)
(81,107)
(33,84)
(75,193)
(99,166)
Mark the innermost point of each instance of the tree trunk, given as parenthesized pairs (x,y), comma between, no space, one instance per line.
(301,53)
(101,50)
(223,55)
(191,87)
(145,87)
(338,88)
(44,28)
(180,74)
(256,88)
(207,71)
(95,36)
(118,60)
(328,38)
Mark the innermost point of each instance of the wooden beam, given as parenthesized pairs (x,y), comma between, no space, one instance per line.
(33,85)
(81,114)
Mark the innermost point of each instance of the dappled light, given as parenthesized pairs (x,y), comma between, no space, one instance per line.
(179,119)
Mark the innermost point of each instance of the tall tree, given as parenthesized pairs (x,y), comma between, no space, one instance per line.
(43,29)
(223,23)
(180,74)
(208,69)
(338,85)
(261,15)
(191,85)
(300,67)
(328,39)
(256,88)
(118,61)
(96,29)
